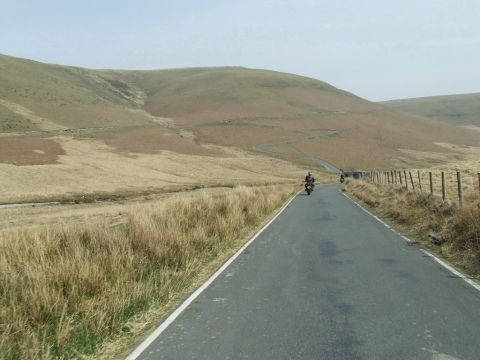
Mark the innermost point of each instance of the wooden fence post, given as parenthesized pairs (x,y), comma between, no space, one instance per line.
(419,180)
(431,182)
(444,190)
(388,177)
(411,180)
(406,180)
(459,187)
(400,177)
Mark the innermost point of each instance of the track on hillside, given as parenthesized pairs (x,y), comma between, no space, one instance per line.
(264,148)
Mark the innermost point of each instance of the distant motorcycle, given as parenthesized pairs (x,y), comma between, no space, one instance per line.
(309,187)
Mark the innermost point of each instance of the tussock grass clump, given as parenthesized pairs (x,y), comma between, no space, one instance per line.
(63,291)
(422,214)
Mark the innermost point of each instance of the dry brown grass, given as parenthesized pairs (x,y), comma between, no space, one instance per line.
(420,213)
(91,166)
(464,159)
(112,212)
(66,290)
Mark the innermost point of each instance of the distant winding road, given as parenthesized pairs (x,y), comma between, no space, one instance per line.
(327,281)
(263,148)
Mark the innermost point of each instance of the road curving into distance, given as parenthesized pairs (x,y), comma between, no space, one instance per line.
(264,148)
(327,281)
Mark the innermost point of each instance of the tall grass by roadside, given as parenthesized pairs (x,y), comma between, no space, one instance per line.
(456,229)
(64,291)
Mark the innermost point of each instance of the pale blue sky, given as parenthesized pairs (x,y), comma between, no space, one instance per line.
(377,49)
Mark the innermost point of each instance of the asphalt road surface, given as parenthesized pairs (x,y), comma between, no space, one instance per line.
(328,281)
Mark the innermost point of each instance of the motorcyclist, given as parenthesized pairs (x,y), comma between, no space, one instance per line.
(309,179)
(309,183)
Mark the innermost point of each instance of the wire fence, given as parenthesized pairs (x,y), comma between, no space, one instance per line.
(452,186)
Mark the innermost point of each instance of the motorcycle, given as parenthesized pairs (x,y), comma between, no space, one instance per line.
(309,188)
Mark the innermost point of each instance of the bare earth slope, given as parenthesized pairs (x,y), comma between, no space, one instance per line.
(463,109)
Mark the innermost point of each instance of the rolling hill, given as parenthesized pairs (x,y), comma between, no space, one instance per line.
(463,109)
(111,129)
(289,116)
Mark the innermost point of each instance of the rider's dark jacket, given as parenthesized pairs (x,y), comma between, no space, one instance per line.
(309,179)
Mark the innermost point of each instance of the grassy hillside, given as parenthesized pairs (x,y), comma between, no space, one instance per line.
(289,115)
(461,109)
(286,116)
(208,95)
(70,97)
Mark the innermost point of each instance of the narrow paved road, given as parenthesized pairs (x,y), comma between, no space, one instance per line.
(327,281)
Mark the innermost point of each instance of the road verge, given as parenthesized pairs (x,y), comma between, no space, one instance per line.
(451,232)
(65,292)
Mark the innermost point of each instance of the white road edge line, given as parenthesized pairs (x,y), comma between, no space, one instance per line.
(450,268)
(171,318)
